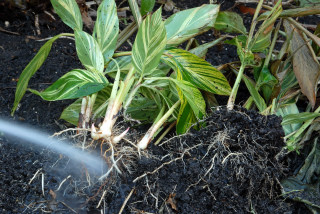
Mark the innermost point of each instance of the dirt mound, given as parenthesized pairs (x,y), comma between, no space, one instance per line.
(230,166)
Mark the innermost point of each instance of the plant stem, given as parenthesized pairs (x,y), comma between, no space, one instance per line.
(135,11)
(126,33)
(274,40)
(153,129)
(235,87)
(115,103)
(126,53)
(253,24)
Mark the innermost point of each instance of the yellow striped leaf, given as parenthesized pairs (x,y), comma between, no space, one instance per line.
(89,52)
(186,24)
(149,44)
(30,70)
(106,28)
(69,12)
(74,84)
(189,93)
(197,71)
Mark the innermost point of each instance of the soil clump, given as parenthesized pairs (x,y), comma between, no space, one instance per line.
(230,166)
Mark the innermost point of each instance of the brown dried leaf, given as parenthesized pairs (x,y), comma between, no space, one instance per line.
(172,201)
(306,69)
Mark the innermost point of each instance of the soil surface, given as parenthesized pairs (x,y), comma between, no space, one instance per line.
(228,167)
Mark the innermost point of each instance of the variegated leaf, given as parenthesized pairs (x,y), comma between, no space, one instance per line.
(69,12)
(106,28)
(197,71)
(89,52)
(124,63)
(149,44)
(30,70)
(135,11)
(193,96)
(186,24)
(74,84)
(71,113)
(186,117)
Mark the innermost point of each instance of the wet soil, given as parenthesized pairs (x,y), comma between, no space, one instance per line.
(228,167)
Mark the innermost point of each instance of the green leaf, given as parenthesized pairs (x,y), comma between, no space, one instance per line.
(298,118)
(74,84)
(143,109)
(193,96)
(124,63)
(135,11)
(30,70)
(89,52)
(230,22)
(289,82)
(186,24)
(258,100)
(149,44)
(262,43)
(146,6)
(289,110)
(69,12)
(197,71)
(71,113)
(106,28)
(266,82)
(202,50)
(186,117)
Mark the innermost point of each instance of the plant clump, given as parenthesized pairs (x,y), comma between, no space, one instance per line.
(230,166)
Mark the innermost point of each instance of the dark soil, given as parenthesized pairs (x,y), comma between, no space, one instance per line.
(228,167)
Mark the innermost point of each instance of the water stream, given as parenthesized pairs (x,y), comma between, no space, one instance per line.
(34,136)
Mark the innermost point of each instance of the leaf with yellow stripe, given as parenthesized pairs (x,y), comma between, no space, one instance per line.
(197,71)
(69,12)
(30,70)
(89,52)
(74,84)
(186,24)
(106,28)
(192,95)
(186,117)
(149,44)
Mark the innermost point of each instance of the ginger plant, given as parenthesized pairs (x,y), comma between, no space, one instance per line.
(156,82)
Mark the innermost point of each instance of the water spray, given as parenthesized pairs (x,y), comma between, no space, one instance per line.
(32,135)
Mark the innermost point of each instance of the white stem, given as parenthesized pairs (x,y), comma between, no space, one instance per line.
(148,136)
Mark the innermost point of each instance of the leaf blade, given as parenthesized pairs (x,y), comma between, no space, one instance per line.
(106,28)
(306,69)
(89,52)
(30,70)
(149,44)
(69,12)
(74,84)
(197,71)
(191,22)
(230,22)
(146,6)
